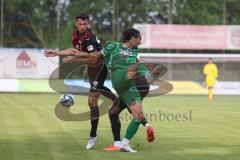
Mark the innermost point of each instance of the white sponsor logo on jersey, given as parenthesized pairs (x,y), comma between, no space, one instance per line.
(90,48)
(125,53)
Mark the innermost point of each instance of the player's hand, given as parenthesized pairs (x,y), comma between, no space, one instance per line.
(50,53)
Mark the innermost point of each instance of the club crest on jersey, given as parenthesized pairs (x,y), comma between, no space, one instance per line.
(125,53)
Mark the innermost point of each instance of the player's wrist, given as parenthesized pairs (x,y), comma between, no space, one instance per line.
(59,53)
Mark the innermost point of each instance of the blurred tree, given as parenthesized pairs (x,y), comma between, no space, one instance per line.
(232,12)
(99,13)
(198,12)
(31,23)
(101,16)
(48,23)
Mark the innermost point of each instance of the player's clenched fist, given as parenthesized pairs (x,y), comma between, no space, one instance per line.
(50,53)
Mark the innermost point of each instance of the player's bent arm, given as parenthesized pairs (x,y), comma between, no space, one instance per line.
(69,59)
(85,58)
(91,58)
(69,51)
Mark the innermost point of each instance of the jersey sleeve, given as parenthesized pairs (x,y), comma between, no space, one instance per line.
(107,52)
(108,49)
(92,44)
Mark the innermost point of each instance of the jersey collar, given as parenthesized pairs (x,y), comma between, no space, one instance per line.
(132,49)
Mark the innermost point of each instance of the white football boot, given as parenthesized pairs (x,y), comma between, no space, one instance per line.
(91,142)
(127,148)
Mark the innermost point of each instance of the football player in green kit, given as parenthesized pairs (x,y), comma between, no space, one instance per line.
(122,62)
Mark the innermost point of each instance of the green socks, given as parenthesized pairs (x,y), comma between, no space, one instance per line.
(132,129)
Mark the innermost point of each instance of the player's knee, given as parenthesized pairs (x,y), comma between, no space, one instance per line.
(116,109)
(111,111)
(111,114)
(93,99)
(139,117)
(136,110)
(92,102)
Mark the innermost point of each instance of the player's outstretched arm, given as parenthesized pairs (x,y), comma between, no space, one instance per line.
(66,52)
(93,59)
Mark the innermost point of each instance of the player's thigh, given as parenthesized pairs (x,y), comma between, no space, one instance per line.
(97,77)
(130,95)
(210,82)
(120,81)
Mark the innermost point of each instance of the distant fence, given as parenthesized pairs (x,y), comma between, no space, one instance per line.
(27,70)
(185,72)
(185,67)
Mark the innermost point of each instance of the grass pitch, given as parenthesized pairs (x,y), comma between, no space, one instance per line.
(186,128)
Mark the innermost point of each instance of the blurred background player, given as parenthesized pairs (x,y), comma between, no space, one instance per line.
(211,73)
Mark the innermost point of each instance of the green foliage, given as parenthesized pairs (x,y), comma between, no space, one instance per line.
(36,23)
(233,14)
(198,12)
(30,23)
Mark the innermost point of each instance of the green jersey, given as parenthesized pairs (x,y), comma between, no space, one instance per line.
(117,56)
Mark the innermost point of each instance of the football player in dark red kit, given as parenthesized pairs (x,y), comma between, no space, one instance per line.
(83,39)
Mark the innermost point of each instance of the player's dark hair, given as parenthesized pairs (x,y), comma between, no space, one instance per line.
(129,33)
(82,16)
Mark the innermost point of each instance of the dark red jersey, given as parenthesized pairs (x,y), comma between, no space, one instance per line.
(86,42)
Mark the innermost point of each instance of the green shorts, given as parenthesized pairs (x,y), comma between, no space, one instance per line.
(126,88)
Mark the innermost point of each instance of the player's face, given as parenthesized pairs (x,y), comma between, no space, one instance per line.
(82,25)
(209,61)
(136,41)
